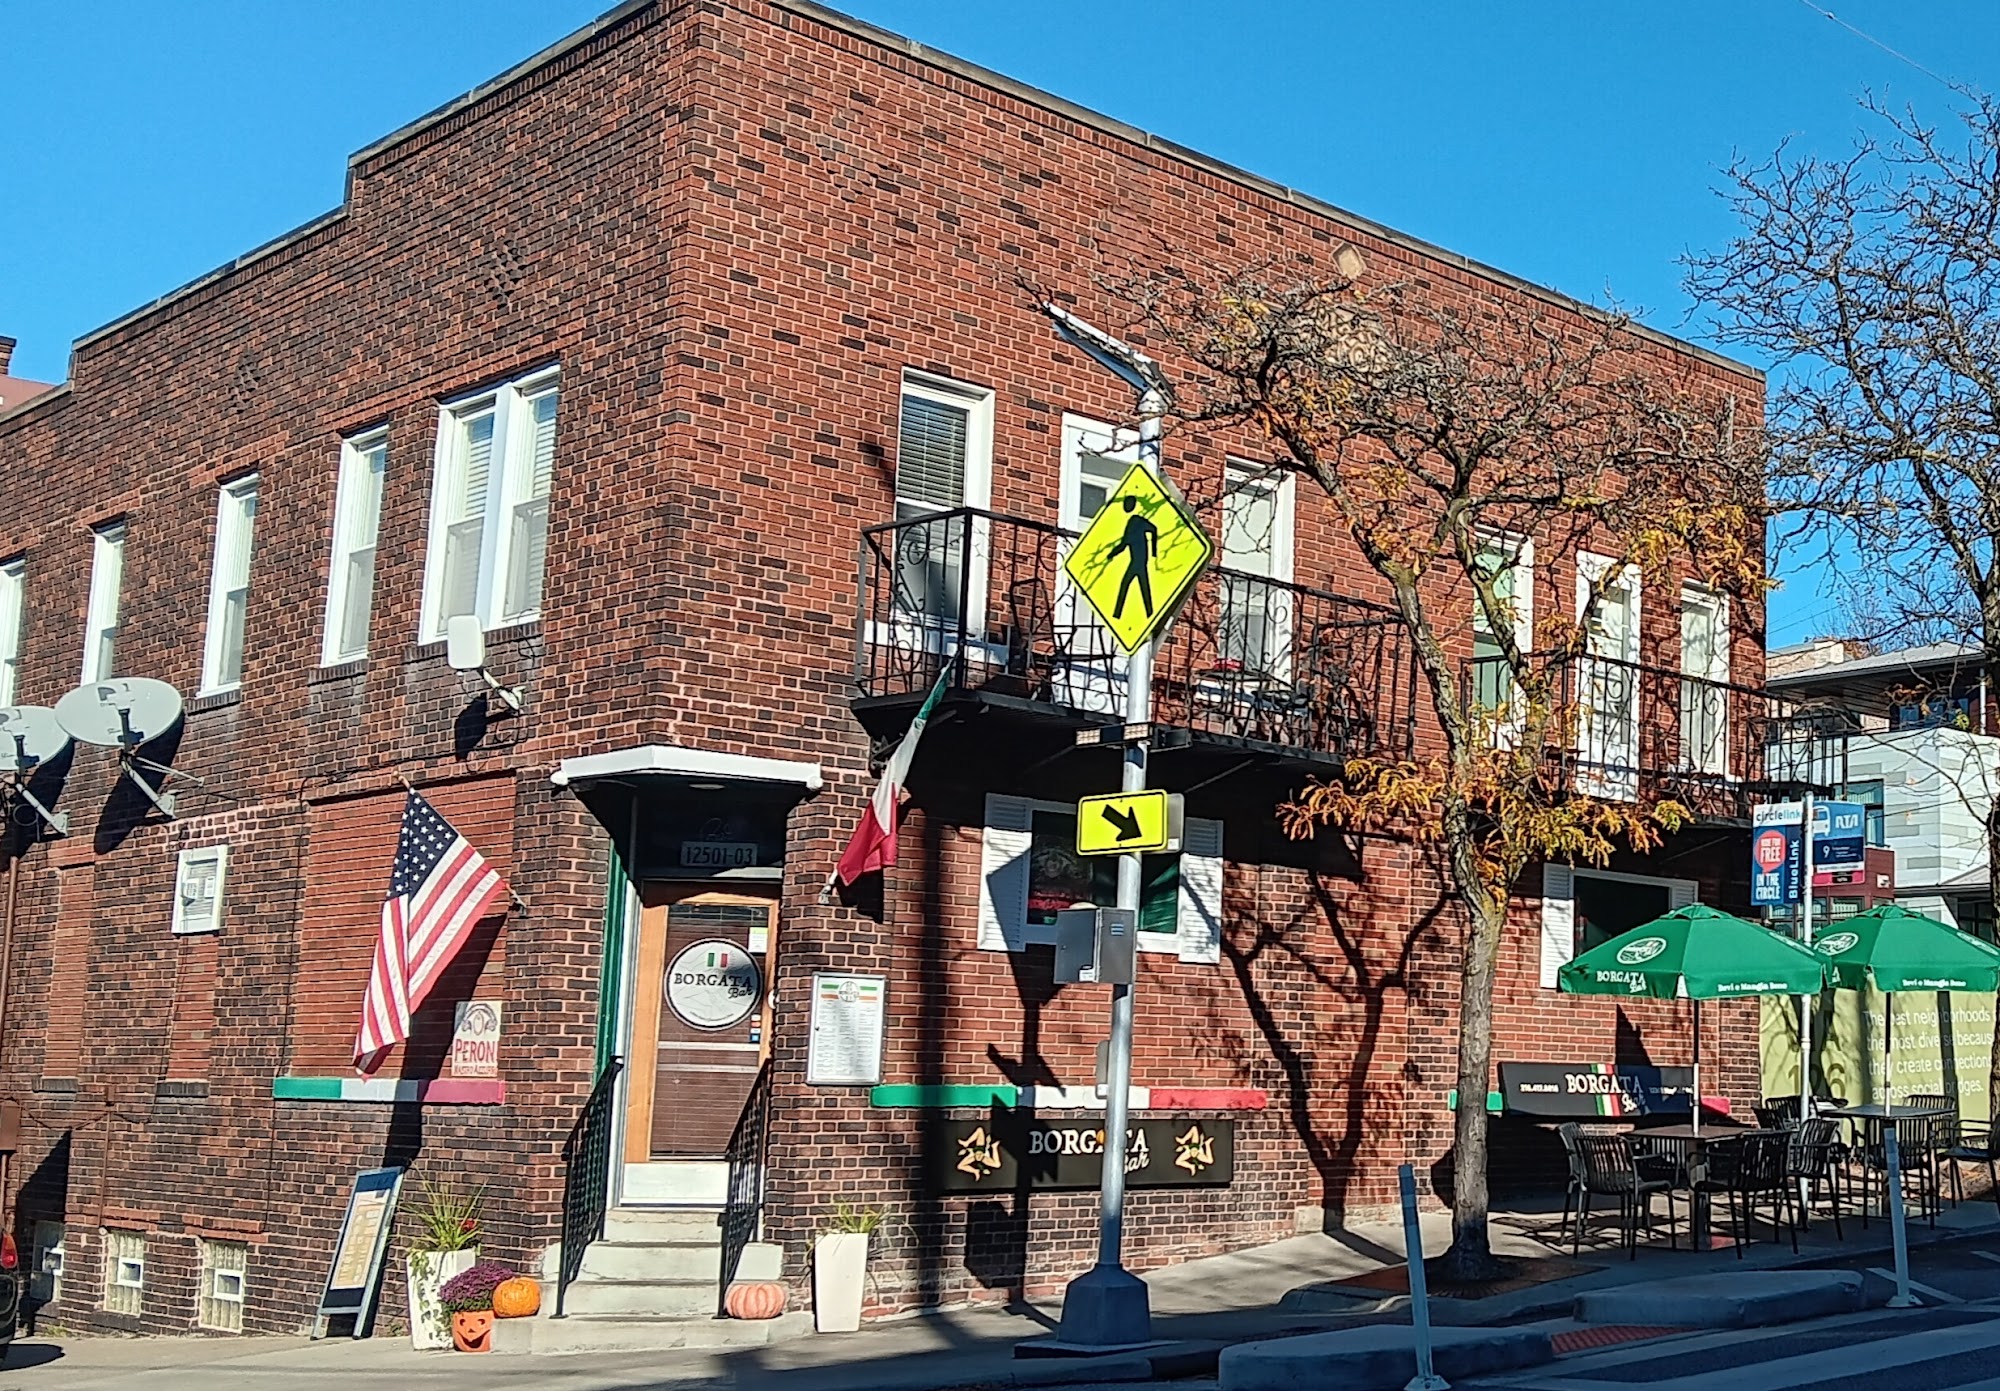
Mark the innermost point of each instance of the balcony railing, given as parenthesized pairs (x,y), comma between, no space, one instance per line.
(1248,658)
(1628,732)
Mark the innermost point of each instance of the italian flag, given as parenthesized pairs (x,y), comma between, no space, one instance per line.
(873,846)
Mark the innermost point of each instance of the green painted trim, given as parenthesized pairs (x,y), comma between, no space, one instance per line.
(306,1088)
(1495,1104)
(611,976)
(1005,1095)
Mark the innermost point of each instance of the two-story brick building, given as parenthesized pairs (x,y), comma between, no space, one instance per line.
(630,353)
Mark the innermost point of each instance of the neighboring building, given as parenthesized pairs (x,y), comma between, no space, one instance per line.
(1923,750)
(15,391)
(628,354)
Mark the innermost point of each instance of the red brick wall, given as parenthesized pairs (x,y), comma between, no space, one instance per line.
(733,227)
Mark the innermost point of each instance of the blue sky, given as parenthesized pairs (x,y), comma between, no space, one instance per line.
(1574,144)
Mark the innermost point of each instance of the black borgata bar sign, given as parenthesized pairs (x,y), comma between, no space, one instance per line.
(1000,1151)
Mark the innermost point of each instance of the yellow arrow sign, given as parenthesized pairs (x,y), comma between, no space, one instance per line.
(1138,557)
(1124,823)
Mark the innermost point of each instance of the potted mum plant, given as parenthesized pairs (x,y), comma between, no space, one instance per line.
(840,1268)
(468,1298)
(447,1243)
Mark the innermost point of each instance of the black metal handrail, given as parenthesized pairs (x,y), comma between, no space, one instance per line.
(586,1178)
(981,596)
(743,1209)
(1630,731)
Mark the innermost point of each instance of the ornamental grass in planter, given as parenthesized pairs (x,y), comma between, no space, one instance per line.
(447,1243)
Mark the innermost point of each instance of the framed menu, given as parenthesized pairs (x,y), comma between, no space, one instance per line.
(847,1021)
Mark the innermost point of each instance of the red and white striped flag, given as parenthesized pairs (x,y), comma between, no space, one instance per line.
(873,845)
(439,889)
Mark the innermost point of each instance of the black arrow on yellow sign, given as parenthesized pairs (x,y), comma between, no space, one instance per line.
(1126,822)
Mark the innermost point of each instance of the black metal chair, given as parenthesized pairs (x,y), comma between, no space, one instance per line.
(1972,1143)
(1814,1155)
(1750,1173)
(1573,1190)
(1611,1170)
(1777,1112)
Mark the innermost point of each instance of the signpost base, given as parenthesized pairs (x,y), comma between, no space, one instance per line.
(1106,1306)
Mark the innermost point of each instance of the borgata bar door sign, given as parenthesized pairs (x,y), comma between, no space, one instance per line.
(1010,1149)
(714,984)
(1128,822)
(1138,558)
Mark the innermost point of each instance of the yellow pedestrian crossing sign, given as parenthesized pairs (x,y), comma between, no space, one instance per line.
(1138,557)
(1125,823)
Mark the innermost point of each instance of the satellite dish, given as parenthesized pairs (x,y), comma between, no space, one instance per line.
(124,713)
(465,643)
(29,736)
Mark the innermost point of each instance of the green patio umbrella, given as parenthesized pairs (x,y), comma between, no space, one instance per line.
(1700,953)
(1897,949)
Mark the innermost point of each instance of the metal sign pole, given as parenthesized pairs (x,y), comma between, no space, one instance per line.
(1426,1378)
(1806,1002)
(1108,1306)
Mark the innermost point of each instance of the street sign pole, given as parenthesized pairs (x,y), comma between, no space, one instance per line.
(1806,1002)
(1108,1306)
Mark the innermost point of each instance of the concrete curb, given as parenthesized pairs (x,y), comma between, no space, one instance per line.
(1732,1299)
(1380,1357)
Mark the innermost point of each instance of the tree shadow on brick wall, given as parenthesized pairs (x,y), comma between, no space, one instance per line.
(1331,1136)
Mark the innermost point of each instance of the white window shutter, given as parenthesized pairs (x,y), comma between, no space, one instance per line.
(1681,892)
(1558,921)
(1200,917)
(1003,873)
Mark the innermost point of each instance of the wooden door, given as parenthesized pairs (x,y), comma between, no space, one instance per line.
(700,1032)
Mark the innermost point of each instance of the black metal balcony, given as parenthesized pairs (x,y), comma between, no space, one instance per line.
(1276,668)
(1625,731)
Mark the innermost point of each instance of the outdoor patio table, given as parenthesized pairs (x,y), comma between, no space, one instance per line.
(1872,1117)
(1688,1149)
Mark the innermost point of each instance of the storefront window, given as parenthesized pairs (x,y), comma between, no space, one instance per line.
(1059,878)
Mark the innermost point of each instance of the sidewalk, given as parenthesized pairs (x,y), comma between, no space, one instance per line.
(1285,1287)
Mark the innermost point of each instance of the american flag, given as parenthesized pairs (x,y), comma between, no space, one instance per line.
(438,890)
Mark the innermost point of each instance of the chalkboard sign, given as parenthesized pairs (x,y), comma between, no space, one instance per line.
(357,1255)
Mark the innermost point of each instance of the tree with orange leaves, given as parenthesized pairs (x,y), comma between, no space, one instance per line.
(1446,440)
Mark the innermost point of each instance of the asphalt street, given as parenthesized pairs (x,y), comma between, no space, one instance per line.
(1950,1344)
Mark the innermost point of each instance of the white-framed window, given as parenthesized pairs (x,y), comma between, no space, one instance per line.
(45,1276)
(229,585)
(1607,604)
(1030,870)
(944,461)
(1095,456)
(107,577)
(1509,562)
(224,1273)
(1584,907)
(199,876)
(489,529)
(124,1271)
(357,517)
(1704,680)
(13,603)
(1255,600)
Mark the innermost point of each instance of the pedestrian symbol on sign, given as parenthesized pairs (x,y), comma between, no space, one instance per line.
(1138,558)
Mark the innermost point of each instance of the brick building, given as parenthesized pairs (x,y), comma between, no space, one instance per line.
(629,354)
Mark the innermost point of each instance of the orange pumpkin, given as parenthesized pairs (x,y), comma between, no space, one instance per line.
(518,1298)
(755,1299)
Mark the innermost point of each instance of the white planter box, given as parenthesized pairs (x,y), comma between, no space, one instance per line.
(430,1325)
(840,1272)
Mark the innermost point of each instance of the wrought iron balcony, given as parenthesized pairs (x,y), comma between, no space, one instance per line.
(1629,732)
(1249,661)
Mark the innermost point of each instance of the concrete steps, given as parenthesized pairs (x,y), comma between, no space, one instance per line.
(651,1284)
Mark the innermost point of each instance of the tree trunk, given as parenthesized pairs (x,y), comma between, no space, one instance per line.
(1470,1256)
